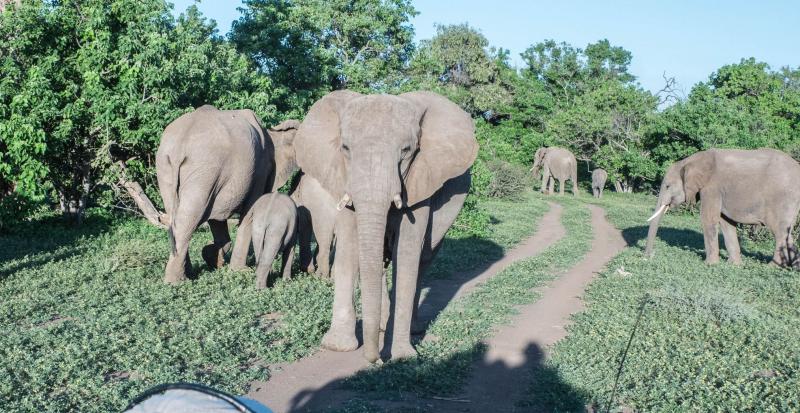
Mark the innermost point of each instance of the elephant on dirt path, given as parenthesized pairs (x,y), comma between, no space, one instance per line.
(211,164)
(399,168)
(735,186)
(556,164)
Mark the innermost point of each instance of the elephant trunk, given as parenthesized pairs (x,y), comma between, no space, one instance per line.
(371,221)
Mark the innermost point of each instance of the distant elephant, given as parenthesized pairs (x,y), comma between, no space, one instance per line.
(599,177)
(556,163)
(211,164)
(399,166)
(274,220)
(316,215)
(735,186)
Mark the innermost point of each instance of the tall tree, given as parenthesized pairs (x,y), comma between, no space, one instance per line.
(310,47)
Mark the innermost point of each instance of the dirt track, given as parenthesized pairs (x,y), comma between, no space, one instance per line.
(314,383)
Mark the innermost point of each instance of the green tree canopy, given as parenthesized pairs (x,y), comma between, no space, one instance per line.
(79,75)
(310,47)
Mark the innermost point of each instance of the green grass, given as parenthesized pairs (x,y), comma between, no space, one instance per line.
(86,323)
(711,338)
(444,364)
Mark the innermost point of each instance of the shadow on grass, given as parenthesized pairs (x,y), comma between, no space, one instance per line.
(466,259)
(47,239)
(422,385)
(686,239)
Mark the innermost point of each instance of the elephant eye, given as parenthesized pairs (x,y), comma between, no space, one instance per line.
(345,148)
(405,150)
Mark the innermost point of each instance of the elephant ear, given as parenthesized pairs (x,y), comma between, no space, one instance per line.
(447,145)
(283,136)
(696,174)
(318,142)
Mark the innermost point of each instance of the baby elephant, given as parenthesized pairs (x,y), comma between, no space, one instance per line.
(599,177)
(274,230)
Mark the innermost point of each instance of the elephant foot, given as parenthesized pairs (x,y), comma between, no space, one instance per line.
(735,261)
(712,261)
(213,256)
(338,341)
(403,350)
(175,279)
(261,282)
(310,269)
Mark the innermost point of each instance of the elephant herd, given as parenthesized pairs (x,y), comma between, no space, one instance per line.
(380,179)
(736,186)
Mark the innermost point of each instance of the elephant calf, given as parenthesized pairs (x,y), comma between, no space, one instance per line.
(274,230)
(599,177)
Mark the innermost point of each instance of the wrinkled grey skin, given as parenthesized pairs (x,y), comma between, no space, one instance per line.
(599,177)
(317,215)
(210,165)
(556,164)
(736,186)
(398,167)
(274,220)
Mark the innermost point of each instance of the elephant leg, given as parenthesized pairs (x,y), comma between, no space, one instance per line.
(545,182)
(385,301)
(304,230)
(574,179)
(243,235)
(287,261)
(324,235)
(785,251)
(710,217)
(407,255)
(214,253)
(728,230)
(185,222)
(341,335)
(561,183)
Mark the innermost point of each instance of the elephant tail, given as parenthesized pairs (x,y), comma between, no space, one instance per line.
(173,212)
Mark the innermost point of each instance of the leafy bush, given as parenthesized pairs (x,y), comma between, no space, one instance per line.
(507,180)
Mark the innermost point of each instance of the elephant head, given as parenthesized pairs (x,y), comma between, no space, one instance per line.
(282,136)
(682,182)
(375,152)
(538,160)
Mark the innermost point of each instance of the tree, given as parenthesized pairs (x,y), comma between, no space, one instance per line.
(310,47)
(83,75)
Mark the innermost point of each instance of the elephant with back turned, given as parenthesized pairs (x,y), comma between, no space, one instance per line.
(399,168)
(556,164)
(211,164)
(599,177)
(735,186)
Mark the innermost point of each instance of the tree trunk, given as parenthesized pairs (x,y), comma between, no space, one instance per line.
(143,202)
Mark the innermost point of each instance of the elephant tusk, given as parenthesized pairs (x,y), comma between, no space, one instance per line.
(663,209)
(398,201)
(345,202)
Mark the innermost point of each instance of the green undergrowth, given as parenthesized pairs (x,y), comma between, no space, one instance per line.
(86,323)
(711,338)
(446,360)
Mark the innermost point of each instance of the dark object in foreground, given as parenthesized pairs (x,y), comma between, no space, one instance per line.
(189,397)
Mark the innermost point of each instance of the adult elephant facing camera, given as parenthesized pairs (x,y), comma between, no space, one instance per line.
(400,167)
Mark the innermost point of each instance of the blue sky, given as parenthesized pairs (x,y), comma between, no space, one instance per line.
(685,39)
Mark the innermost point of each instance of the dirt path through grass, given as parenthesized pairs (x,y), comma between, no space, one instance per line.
(291,386)
(517,349)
